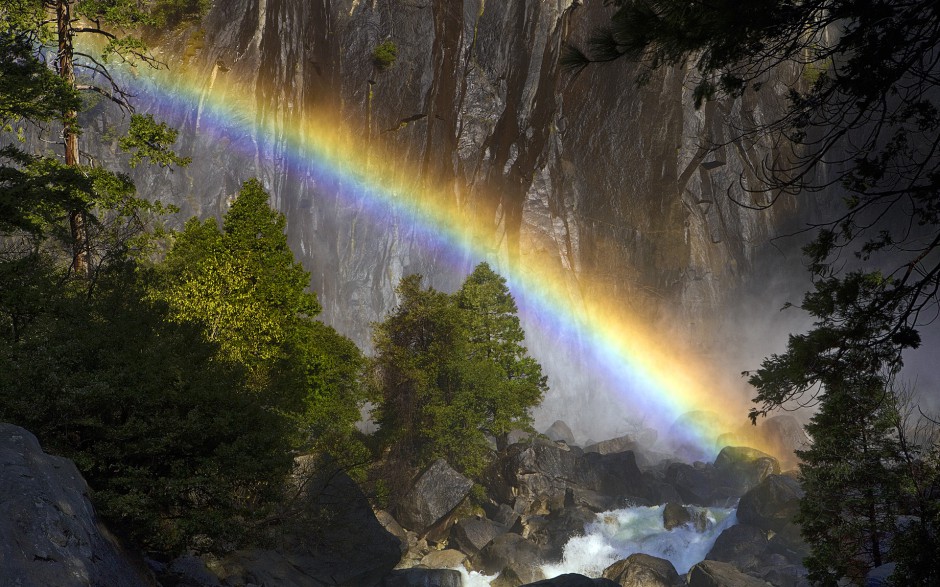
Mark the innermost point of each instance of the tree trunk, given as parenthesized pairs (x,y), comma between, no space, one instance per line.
(64,59)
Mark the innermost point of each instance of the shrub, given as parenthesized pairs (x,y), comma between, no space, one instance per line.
(384,55)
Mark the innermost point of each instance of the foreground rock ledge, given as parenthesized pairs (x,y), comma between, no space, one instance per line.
(50,533)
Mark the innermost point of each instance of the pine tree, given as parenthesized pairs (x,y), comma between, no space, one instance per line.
(495,338)
(241,282)
(451,370)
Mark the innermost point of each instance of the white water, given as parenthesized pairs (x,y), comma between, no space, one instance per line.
(617,534)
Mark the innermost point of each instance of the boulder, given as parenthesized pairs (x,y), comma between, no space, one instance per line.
(772,505)
(553,531)
(718,574)
(786,575)
(448,558)
(471,535)
(572,580)
(331,537)
(51,535)
(423,578)
(592,500)
(643,570)
(437,491)
(740,468)
(614,474)
(741,545)
(511,552)
(674,515)
(394,528)
(694,484)
(560,432)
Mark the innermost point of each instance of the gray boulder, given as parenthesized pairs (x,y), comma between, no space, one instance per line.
(696,485)
(740,468)
(572,580)
(471,535)
(741,545)
(718,574)
(437,491)
(330,537)
(772,505)
(449,558)
(423,578)
(50,533)
(643,570)
(511,555)
(560,432)
(675,515)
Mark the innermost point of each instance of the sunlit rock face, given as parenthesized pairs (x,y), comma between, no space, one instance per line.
(610,181)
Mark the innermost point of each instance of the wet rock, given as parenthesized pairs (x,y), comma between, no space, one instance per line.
(511,553)
(572,580)
(718,574)
(643,570)
(740,545)
(674,515)
(552,532)
(740,468)
(423,578)
(695,485)
(50,533)
(437,491)
(592,500)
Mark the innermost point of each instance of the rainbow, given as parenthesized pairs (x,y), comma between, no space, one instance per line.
(648,375)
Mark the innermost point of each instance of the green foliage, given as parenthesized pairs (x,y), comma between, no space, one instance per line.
(241,283)
(28,88)
(173,443)
(495,339)
(244,289)
(146,138)
(384,55)
(451,370)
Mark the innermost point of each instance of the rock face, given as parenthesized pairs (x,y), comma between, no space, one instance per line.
(607,183)
(438,490)
(50,534)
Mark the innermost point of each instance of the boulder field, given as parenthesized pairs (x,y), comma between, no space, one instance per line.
(539,493)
